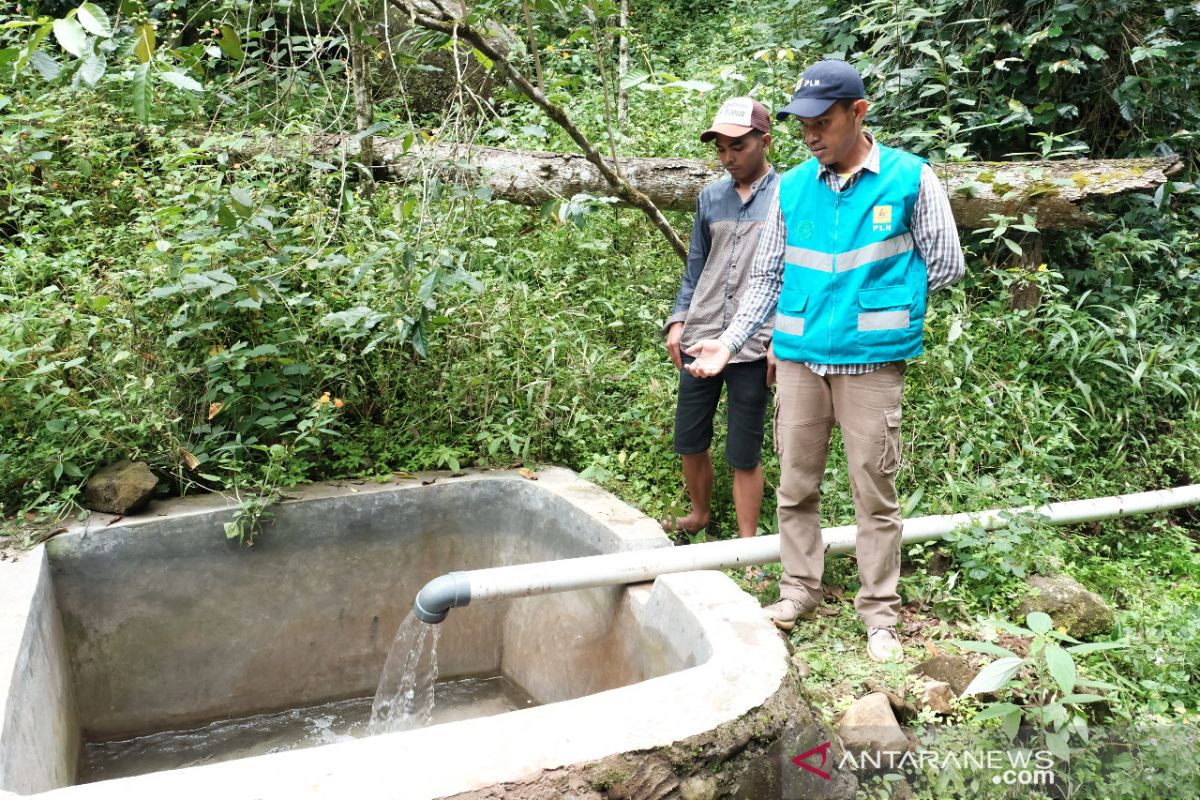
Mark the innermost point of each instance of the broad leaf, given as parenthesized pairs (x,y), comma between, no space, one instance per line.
(242,200)
(91,69)
(144,46)
(1011,724)
(1062,667)
(45,65)
(1080,698)
(371,131)
(1056,743)
(1092,647)
(994,675)
(634,78)
(31,47)
(692,86)
(71,36)
(142,92)
(93,18)
(1008,627)
(181,81)
(229,43)
(1039,621)
(997,710)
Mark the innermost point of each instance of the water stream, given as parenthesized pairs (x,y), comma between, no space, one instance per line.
(405,700)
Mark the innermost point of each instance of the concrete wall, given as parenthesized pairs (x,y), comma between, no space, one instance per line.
(162,613)
(39,732)
(696,717)
(169,624)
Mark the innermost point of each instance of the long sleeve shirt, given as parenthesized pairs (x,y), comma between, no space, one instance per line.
(934,235)
(725,235)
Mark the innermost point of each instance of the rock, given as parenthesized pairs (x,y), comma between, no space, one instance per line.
(870,727)
(802,667)
(900,708)
(954,670)
(1083,613)
(653,779)
(791,781)
(936,696)
(939,563)
(698,788)
(121,488)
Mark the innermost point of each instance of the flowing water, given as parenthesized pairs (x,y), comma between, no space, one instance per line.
(405,700)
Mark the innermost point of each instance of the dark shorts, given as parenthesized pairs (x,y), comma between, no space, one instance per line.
(747,401)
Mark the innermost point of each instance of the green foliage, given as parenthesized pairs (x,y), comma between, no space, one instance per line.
(243,314)
(990,78)
(1044,688)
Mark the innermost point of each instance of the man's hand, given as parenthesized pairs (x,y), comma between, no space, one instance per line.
(711,357)
(674,338)
(770,364)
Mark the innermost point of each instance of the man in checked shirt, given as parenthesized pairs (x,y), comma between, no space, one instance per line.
(729,217)
(861,233)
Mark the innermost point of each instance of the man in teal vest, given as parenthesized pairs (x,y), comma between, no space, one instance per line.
(862,234)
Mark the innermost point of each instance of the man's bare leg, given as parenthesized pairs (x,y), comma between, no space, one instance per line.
(747,499)
(698,478)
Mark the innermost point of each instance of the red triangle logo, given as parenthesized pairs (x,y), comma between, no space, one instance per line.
(823,750)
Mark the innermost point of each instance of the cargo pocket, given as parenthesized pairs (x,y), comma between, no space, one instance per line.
(889,459)
(789,316)
(885,310)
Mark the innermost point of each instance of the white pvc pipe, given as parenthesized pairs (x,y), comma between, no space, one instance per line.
(523,580)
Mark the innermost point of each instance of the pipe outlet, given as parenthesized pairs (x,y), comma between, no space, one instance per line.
(436,598)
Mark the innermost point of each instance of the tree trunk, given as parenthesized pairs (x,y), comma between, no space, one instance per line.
(623,65)
(1025,293)
(1055,192)
(360,85)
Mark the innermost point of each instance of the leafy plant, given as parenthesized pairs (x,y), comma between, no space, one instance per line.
(1041,687)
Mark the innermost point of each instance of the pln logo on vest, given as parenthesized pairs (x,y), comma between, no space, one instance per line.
(881,219)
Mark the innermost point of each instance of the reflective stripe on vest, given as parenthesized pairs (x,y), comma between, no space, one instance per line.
(786,324)
(852,259)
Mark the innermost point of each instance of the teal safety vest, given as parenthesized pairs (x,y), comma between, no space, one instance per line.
(853,283)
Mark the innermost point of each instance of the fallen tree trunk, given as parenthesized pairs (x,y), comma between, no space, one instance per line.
(1054,192)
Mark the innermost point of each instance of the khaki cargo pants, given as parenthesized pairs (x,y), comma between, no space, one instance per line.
(867,409)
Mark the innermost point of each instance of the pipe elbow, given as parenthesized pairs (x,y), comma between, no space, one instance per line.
(436,598)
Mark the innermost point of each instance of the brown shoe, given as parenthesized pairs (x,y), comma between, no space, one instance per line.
(786,611)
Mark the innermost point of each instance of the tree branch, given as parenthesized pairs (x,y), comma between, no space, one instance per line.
(444,23)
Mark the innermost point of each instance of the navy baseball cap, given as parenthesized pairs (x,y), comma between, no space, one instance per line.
(821,85)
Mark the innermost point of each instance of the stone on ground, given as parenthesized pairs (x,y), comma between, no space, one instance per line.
(121,488)
(936,696)
(1071,605)
(954,670)
(870,726)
